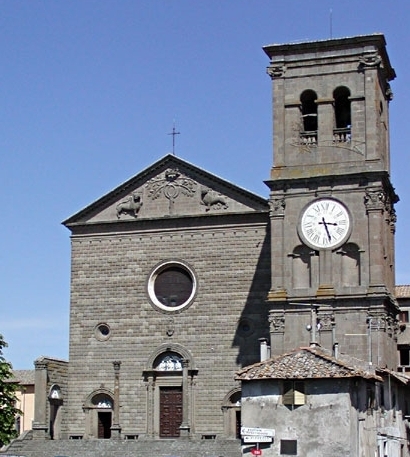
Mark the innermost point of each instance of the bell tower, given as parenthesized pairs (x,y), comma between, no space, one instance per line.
(332,203)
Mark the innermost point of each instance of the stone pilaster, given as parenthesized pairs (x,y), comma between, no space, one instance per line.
(185,426)
(40,427)
(116,428)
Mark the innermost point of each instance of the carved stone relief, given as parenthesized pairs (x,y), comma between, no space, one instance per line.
(131,205)
(277,323)
(277,206)
(276,70)
(370,59)
(325,322)
(212,200)
(170,327)
(171,185)
(377,321)
(375,199)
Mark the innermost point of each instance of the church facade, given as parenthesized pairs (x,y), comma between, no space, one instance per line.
(180,279)
(170,274)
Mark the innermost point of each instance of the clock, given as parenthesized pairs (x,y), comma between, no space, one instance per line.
(325,224)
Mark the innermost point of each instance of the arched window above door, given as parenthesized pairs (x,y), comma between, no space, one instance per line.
(170,361)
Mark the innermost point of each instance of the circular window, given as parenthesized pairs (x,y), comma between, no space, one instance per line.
(172,286)
(245,327)
(102,332)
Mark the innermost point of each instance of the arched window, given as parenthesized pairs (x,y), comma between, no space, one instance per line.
(309,117)
(342,130)
(169,361)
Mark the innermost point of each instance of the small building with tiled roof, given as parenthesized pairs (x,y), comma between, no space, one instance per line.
(305,363)
(25,399)
(317,404)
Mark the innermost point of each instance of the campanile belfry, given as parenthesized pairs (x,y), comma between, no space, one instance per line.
(331,199)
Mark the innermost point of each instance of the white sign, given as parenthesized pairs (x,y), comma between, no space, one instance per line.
(248,431)
(257,439)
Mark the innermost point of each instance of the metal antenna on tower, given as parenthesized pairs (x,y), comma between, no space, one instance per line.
(173,133)
(331,22)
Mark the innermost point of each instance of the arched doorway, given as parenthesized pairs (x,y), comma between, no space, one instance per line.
(231,407)
(169,378)
(99,410)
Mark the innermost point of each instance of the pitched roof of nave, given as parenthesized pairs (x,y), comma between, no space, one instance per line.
(192,190)
(303,363)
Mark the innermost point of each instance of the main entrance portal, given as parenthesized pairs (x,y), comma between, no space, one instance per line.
(170,412)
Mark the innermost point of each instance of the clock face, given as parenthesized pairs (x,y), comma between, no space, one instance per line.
(325,224)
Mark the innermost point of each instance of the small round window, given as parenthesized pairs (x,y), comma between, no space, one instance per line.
(172,286)
(245,327)
(102,332)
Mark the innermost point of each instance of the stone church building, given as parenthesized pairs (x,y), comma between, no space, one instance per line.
(180,280)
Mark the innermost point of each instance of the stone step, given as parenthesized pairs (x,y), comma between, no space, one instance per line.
(126,448)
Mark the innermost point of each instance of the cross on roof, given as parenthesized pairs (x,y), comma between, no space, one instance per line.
(173,133)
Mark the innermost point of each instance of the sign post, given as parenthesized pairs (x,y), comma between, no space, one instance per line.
(248,431)
(256,451)
(257,435)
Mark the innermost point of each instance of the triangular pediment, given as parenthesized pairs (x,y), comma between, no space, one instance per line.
(170,187)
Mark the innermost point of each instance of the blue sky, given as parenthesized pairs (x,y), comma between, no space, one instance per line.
(89,90)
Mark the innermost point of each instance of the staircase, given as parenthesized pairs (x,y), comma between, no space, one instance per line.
(25,446)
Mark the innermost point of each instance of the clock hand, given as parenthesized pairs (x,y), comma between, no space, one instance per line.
(327,230)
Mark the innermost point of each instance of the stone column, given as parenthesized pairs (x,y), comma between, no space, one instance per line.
(326,288)
(150,405)
(374,201)
(40,427)
(326,122)
(277,222)
(276,71)
(116,428)
(185,427)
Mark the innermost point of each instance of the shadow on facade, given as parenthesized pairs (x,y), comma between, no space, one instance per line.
(253,323)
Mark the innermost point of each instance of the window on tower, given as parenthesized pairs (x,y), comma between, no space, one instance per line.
(343,121)
(308,134)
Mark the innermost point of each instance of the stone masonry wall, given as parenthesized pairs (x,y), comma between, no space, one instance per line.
(109,285)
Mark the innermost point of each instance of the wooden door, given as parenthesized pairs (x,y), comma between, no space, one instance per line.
(104,424)
(170,414)
(238,424)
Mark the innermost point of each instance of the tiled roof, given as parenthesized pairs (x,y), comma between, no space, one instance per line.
(303,363)
(24,377)
(401,377)
(402,291)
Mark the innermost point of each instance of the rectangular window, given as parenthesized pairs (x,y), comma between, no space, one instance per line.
(404,356)
(293,394)
(288,447)
(404,316)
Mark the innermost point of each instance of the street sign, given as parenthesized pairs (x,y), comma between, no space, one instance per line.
(257,439)
(255,451)
(249,431)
